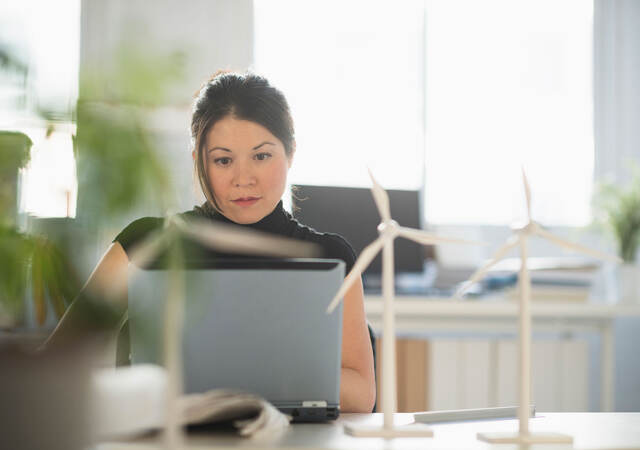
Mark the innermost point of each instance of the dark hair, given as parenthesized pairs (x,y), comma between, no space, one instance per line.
(243,96)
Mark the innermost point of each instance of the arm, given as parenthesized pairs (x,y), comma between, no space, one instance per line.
(357,381)
(107,283)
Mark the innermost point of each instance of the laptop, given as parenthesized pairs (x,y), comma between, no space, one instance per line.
(254,325)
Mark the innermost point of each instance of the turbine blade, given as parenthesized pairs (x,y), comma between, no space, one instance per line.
(573,246)
(482,271)
(233,239)
(527,192)
(427,238)
(365,258)
(381,198)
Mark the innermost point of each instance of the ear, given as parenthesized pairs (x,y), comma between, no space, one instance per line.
(193,155)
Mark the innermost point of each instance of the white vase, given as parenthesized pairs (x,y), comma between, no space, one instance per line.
(629,283)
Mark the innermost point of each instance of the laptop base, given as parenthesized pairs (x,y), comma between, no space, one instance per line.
(311,414)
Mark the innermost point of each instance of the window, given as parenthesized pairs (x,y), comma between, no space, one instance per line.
(508,82)
(45,36)
(453,96)
(50,183)
(352,73)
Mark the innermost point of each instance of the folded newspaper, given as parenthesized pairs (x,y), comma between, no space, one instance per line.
(132,400)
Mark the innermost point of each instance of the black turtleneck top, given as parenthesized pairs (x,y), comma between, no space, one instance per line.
(278,222)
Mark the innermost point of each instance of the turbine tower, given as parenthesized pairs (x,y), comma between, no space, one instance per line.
(520,238)
(389,229)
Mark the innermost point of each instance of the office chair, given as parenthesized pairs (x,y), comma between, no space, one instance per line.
(372,337)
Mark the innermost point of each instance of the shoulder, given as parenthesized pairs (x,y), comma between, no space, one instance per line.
(137,230)
(338,246)
(333,245)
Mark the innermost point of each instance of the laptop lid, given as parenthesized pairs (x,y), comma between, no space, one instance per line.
(256,325)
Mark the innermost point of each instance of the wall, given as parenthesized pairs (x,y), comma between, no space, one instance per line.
(617,137)
(211,34)
(616,88)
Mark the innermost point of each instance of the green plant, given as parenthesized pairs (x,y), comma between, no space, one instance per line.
(118,170)
(36,261)
(617,209)
(15,152)
(26,258)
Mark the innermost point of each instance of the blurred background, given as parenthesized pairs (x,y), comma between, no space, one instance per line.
(444,101)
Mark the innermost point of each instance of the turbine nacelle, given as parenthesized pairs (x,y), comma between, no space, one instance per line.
(522,227)
(389,228)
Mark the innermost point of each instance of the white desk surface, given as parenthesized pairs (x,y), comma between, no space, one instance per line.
(589,431)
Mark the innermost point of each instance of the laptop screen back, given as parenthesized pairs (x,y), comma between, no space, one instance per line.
(258,326)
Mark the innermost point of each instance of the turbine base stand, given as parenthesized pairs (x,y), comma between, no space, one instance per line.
(411,430)
(529,438)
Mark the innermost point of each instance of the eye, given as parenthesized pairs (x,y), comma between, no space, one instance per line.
(224,161)
(262,156)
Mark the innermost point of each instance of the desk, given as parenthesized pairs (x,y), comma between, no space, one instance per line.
(589,430)
(428,315)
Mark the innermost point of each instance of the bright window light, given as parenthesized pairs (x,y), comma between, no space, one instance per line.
(46,37)
(508,83)
(50,184)
(499,83)
(352,73)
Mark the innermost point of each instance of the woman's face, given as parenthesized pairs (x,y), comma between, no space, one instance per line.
(247,168)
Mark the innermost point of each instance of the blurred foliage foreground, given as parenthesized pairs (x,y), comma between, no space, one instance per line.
(117,169)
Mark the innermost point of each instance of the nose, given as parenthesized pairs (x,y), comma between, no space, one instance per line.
(243,176)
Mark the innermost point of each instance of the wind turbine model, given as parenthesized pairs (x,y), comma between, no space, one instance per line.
(219,237)
(389,230)
(520,238)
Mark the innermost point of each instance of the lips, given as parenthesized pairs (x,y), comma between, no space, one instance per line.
(245,201)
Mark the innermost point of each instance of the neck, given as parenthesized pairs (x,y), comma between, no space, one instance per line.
(212,212)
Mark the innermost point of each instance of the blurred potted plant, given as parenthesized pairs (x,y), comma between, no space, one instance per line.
(31,265)
(617,209)
(15,153)
(118,170)
(26,258)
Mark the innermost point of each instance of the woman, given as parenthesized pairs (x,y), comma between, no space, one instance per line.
(243,146)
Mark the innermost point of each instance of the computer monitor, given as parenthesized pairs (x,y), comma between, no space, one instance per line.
(352,213)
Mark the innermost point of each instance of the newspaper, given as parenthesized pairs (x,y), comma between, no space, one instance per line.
(132,400)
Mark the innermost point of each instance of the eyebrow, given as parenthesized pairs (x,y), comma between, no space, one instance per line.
(224,149)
